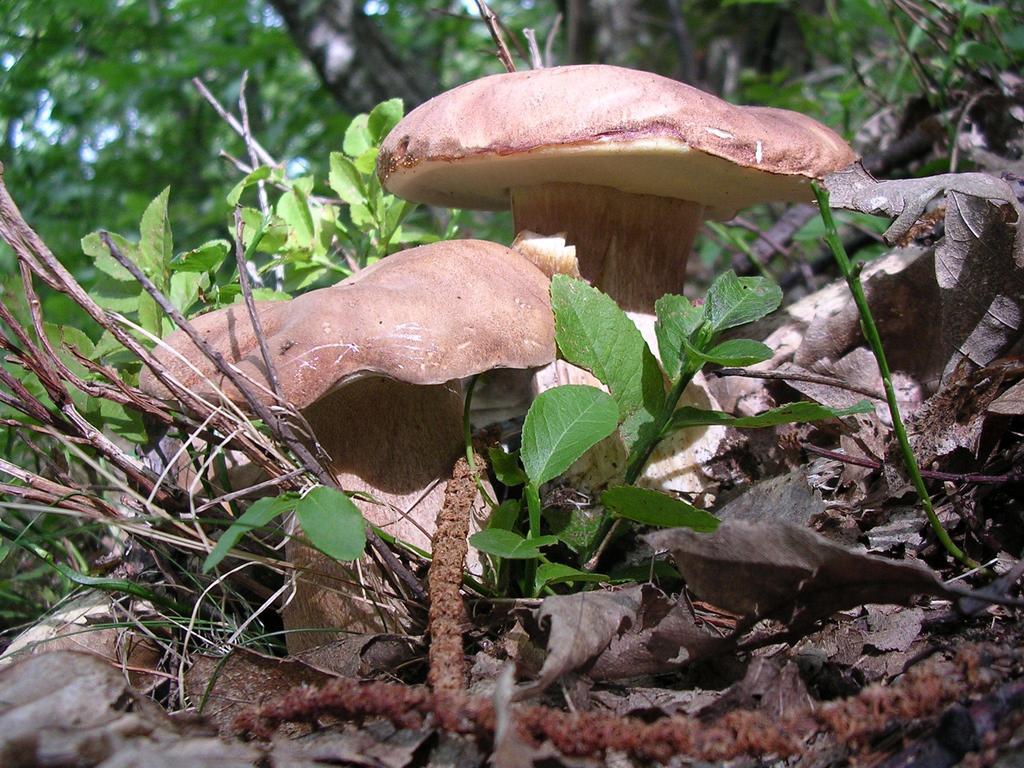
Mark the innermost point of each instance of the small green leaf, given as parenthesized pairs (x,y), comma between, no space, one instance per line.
(366,163)
(383,118)
(156,248)
(257,174)
(593,333)
(642,505)
(259,514)
(733,300)
(206,258)
(345,180)
(504,516)
(792,413)
(561,425)
(510,545)
(185,288)
(293,207)
(506,467)
(124,422)
(332,523)
(734,352)
(579,528)
(357,137)
(677,320)
(556,573)
(93,246)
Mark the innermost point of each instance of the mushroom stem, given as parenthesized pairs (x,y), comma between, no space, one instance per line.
(632,247)
(396,442)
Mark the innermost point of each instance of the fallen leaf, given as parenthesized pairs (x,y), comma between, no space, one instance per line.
(783,571)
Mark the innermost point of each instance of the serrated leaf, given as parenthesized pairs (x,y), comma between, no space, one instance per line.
(556,573)
(677,320)
(733,300)
(150,315)
(345,180)
(506,467)
(357,137)
(733,352)
(206,258)
(259,514)
(332,523)
(383,118)
(561,425)
(257,174)
(275,234)
(593,333)
(642,505)
(510,545)
(156,248)
(293,208)
(792,413)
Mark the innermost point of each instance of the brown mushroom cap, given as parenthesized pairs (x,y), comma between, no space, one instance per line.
(422,316)
(606,126)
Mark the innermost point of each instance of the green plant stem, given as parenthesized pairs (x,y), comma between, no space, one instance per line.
(647,446)
(867,322)
(467,437)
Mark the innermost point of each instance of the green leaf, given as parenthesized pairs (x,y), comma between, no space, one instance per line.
(259,514)
(275,234)
(556,573)
(593,333)
(293,207)
(561,425)
(510,545)
(206,258)
(124,422)
(156,248)
(345,180)
(792,413)
(734,352)
(506,467)
(150,315)
(357,137)
(184,288)
(733,300)
(579,528)
(366,163)
(332,523)
(257,174)
(677,320)
(92,246)
(642,505)
(383,118)
(504,516)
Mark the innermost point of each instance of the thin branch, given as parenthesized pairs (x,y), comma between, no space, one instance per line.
(536,61)
(499,40)
(946,477)
(231,120)
(549,43)
(810,378)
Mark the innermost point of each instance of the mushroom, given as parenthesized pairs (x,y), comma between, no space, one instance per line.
(374,363)
(627,164)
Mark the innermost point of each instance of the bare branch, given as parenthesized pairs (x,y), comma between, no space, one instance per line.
(499,39)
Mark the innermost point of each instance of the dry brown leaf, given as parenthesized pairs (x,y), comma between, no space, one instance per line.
(221,687)
(974,307)
(789,573)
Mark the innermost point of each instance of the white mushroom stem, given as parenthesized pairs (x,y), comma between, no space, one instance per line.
(632,247)
(396,442)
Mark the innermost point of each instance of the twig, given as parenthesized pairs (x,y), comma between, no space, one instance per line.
(946,477)
(231,120)
(810,378)
(250,304)
(251,490)
(549,42)
(536,61)
(870,331)
(278,426)
(499,40)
